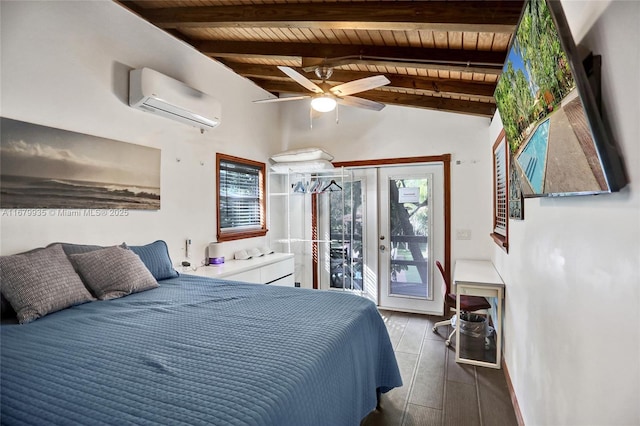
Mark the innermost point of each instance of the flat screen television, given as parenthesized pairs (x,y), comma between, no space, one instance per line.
(549,112)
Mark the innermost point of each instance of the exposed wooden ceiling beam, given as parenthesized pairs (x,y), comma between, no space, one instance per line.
(308,63)
(401,64)
(429,102)
(482,109)
(464,58)
(489,16)
(426,84)
(132,6)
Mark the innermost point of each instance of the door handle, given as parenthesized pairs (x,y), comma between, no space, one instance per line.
(382,247)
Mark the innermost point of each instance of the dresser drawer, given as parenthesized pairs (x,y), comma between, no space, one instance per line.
(275,271)
(259,270)
(251,276)
(287,281)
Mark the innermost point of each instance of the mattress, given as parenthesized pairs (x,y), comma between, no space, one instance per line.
(200,351)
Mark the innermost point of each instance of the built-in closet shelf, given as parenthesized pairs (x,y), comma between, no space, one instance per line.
(325,174)
(301,240)
(290,213)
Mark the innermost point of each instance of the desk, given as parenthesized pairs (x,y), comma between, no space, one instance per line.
(479,278)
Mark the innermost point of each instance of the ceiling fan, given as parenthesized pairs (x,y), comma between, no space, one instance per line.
(326,96)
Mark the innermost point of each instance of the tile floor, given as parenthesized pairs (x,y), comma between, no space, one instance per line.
(437,390)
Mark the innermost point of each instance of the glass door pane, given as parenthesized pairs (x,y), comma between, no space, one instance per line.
(345,224)
(409,229)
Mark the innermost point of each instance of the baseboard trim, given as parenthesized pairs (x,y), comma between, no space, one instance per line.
(512,394)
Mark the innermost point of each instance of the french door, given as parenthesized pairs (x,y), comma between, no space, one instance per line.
(410,236)
(392,234)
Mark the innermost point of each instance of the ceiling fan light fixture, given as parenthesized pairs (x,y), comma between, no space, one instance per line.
(323,103)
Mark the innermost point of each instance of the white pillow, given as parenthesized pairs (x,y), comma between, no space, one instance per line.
(302,166)
(302,154)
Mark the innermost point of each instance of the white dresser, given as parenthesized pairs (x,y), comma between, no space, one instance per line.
(272,269)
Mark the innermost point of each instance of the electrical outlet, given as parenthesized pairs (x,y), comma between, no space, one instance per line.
(463,234)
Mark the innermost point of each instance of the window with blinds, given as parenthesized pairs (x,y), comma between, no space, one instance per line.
(501,191)
(241,189)
(500,164)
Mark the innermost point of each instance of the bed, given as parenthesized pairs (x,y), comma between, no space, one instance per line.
(195,350)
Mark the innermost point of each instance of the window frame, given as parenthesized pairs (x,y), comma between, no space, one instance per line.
(501,152)
(229,234)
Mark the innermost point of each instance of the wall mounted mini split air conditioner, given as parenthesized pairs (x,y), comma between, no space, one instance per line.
(154,92)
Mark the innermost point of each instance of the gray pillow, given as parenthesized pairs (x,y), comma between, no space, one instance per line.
(40,282)
(113,272)
(71,248)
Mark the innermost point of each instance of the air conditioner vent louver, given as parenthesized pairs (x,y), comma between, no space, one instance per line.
(157,93)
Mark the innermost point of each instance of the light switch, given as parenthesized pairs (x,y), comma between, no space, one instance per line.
(463,234)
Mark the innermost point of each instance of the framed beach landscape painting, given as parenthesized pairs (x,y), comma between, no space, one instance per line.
(44,167)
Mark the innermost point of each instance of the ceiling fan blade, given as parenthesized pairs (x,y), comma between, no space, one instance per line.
(301,79)
(361,103)
(290,98)
(360,85)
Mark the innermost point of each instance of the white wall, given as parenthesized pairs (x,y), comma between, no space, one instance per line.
(572,344)
(410,132)
(66,64)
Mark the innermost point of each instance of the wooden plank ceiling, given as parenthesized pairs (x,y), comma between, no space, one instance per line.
(444,55)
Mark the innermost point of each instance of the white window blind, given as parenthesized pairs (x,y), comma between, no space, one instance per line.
(239,196)
(500,164)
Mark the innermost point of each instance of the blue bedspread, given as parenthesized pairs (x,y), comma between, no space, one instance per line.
(198,351)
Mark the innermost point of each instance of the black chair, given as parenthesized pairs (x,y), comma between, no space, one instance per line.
(467,304)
